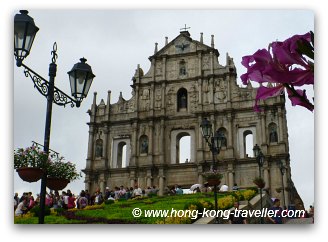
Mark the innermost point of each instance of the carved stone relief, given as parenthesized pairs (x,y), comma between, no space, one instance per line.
(206,91)
(158,99)
(206,62)
(170,100)
(220,91)
(145,100)
(159,68)
(193,98)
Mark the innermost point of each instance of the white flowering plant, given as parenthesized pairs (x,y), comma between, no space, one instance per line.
(32,157)
(63,170)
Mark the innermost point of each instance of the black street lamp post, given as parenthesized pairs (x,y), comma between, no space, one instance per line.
(260,160)
(80,76)
(282,169)
(214,141)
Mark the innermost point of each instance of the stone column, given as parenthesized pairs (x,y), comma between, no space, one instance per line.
(213,121)
(211,87)
(228,89)
(105,146)
(87,182)
(134,144)
(230,179)
(151,138)
(163,98)
(263,129)
(102,183)
(153,63)
(161,186)
(286,202)
(199,63)
(149,178)
(108,104)
(266,177)
(285,178)
(161,181)
(90,147)
(164,68)
(230,176)
(152,96)
(162,142)
(132,178)
(200,87)
(229,126)
(280,125)
(212,63)
(200,147)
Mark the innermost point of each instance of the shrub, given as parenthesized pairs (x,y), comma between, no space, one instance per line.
(175,220)
(239,195)
(107,202)
(226,202)
(150,195)
(255,189)
(59,211)
(36,211)
(249,194)
(195,205)
(207,204)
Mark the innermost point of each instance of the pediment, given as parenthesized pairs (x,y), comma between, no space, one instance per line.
(183,43)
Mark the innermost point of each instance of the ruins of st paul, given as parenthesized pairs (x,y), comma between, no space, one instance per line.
(137,141)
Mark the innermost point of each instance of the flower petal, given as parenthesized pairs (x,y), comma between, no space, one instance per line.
(296,100)
(266,92)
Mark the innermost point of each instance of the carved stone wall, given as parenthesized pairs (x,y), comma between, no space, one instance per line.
(185,84)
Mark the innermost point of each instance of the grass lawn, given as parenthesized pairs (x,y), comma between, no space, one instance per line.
(121,211)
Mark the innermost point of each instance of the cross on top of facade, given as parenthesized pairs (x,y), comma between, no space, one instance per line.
(185,28)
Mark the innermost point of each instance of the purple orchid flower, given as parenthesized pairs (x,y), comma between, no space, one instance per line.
(283,65)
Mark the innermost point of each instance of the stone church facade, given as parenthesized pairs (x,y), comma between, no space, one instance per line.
(137,141)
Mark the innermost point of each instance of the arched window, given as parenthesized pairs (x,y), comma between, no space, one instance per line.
(121,152)
(143,144)
(121,155)
(99,148)
(182,98)
(248,143)
(183,148)
(273,135)
(223,132)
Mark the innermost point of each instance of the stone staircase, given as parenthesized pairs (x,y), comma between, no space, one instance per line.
(300,221)
(253,204)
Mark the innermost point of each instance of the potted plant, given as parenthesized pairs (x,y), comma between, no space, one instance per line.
(213,177)
(60,173)
(259,182)
(30,163)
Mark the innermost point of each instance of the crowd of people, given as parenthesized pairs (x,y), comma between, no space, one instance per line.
(68,200)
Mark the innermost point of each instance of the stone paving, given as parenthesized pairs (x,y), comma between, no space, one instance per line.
(300,221)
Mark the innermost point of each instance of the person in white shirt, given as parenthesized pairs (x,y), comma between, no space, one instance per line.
(21,207)
(137,191)
(224,188)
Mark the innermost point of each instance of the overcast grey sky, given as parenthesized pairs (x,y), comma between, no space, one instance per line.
(114,42)
(303,141)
